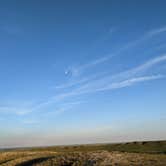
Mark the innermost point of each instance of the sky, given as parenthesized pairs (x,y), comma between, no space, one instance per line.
(74,72)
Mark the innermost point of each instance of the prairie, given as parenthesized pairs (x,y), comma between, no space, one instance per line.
(119,154)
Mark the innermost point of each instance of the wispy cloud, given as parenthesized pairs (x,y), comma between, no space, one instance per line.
(102,83)
(75,71)
(89,88)
(71,83)
(126,77)
(92,85)
(143,67)
(130,82)
(97,82)
(77,82)
(156,31)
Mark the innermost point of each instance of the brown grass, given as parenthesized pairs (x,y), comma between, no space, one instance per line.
(96,158)
(120,154)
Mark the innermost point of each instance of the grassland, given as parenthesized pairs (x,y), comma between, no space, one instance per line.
(120,154)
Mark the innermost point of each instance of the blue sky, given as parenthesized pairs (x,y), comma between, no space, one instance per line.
(82,72)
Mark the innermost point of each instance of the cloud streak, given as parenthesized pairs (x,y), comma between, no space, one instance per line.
(130,82)
(93,85)
(75,71)
(98,82)
(108,82)
(107,86)
(103,81)
(156,31)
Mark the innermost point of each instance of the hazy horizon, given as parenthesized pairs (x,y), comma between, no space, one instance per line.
(76,72)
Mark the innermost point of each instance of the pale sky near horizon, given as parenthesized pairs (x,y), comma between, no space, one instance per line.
(82,71)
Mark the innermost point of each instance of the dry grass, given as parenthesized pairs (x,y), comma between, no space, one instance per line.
(97,158)
(15,157)
(121,154)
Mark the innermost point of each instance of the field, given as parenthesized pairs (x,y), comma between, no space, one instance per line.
(119,154)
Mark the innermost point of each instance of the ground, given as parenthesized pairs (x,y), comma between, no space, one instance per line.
(122,154)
